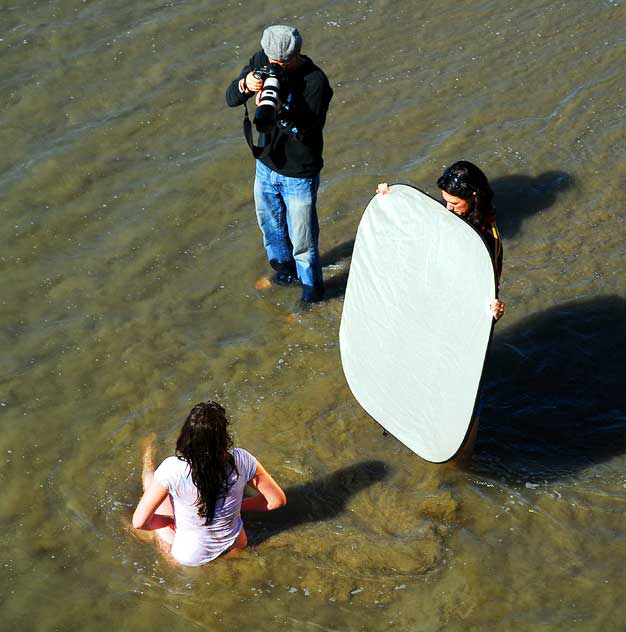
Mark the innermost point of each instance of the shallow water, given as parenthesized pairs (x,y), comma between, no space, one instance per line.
(129,256)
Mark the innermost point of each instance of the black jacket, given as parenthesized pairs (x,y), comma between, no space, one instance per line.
(296,150)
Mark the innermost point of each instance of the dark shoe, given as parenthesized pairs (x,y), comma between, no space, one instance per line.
(312,294)
(283,279)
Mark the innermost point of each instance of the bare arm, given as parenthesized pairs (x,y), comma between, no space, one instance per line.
(144,516)
(270,496)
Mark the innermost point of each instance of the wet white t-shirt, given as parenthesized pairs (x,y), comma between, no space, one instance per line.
(196,543)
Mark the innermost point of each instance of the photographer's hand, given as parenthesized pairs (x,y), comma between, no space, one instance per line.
(251,83)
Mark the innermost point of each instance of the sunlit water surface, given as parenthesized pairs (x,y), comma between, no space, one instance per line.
(129,257)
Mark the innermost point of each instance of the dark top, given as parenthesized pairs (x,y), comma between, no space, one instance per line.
(490,232)
(295,153)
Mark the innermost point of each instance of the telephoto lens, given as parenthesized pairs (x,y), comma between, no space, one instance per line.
(265,115)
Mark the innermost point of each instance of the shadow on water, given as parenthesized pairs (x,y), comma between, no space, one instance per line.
(336,284)
(316,501)
(554,392)
(338,253)
(518,197)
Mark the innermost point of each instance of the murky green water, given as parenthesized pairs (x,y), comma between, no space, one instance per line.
(129,256)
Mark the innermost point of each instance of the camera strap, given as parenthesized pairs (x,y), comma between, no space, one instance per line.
(257,150)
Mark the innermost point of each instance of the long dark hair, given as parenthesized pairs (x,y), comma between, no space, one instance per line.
(204,442)
(464,179)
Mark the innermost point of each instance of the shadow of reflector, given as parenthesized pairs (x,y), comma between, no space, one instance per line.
(555,398)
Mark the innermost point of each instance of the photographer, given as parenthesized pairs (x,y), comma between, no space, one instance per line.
(290,160)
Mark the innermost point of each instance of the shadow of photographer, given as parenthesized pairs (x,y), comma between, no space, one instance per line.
(315,501)
(554,393)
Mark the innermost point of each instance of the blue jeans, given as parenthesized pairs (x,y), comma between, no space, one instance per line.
(287,217)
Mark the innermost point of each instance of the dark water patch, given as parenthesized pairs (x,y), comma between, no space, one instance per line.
(554,392)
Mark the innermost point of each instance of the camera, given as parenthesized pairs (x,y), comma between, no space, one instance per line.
(265,115)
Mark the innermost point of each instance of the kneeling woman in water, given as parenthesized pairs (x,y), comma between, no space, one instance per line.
(466,192)
(193,501)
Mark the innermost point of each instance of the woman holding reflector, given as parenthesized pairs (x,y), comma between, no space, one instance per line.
(466,192)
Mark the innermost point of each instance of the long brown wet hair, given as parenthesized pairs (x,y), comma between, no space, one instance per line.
(204,442)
